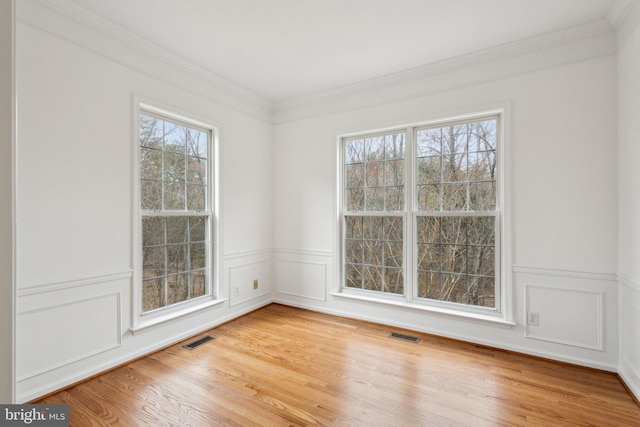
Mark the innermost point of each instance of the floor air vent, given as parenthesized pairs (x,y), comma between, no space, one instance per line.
(199,342)
(404,337)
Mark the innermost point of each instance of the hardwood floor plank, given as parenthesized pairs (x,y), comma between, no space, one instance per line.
(283,366)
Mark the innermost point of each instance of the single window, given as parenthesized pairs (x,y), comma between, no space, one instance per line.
(374,201)
(176,215)
(456,217)
(420,213)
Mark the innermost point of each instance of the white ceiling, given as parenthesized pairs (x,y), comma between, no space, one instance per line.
(287,49)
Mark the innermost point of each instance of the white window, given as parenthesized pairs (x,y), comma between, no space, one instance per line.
(421,214)
(175,211)
(374,205)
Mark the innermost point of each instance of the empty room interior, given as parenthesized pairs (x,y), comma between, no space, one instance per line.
(464,172)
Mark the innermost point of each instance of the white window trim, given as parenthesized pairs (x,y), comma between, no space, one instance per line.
(502,315)
(144,321)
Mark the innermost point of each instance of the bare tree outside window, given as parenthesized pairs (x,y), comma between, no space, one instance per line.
(175,221)
(451,207)
(456,174)
(375,184)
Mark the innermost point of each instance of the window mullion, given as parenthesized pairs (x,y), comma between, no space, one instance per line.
(409,260)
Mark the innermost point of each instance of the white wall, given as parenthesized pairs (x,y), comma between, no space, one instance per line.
(564,218)
(7,19)
(278,191)
(629,200)
(74,237)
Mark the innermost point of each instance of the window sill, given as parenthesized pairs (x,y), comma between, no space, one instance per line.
(447,312)
(174,315)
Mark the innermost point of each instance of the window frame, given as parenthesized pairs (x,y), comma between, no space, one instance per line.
(502,312)
(384,213)
(143,320)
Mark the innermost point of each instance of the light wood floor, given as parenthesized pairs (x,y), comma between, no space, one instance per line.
(282,366)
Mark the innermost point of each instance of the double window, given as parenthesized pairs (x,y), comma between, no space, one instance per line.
(176,214)
(420,209)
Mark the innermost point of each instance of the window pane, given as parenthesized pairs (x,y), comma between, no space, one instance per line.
(196,170)
(177,229)
(429,142)
(196,197)
(150,132)
(178,288)
(374,174)
(461,159)
(393,281)
(392,227)
(428,170)
(354,176)
(174,167)
(481,230)
(153,294)
(374,199)
(353,276)
(353,227)
(482,196)
(454,197)
(454,258)
(428,229)
(151,195)
(482,292)
(354,199)
(393,254)
(354,252)
(428,197)
(374,149)
(198,283)
(429,285)
(153,231)
(354,152)
(196,143)
(462,251)
(198,228)
(150,163)
(153,261)
(394,146)
(372,278)
(429,257)
(373,226)
(394,173)
(454,288)
(394,198)
(174,196)
(174,138)
(198,256)
(176,258)
(373,252)
(179,257)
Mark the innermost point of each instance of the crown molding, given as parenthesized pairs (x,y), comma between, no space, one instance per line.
(80,26)
(68,20)
(619,11)
(552,49)
(624,15)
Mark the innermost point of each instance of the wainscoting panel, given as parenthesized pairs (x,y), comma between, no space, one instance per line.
(55,336)
(569,317)
(248,276)
(303,274)
(249,281)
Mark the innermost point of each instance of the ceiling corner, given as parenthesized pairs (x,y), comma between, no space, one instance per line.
(619,12)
